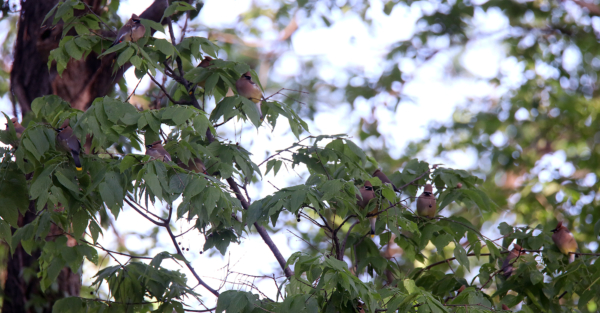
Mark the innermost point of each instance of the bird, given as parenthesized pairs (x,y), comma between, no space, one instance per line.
(69,143)
(204,64)
(246,87)
(19,129)
(426,205)
(133,30)
(564,240)
(507,267)
(157,151)
(196,165)
(384,179)
(367,194)
(505,307)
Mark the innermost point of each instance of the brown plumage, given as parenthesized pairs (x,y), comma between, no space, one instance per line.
(507,267)
(69,143)
(133,30)
(367,194)
(564,240)
(204,64)
(246,87)
(157,151)
(426,205)
(19,129)
(194,165)
(461,289)
(505,307)
(384,179)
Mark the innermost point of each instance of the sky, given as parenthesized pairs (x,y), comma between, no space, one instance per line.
(348,43)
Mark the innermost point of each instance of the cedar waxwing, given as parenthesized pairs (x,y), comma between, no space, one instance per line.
(205,63)
(367,194)
(196,165)
(68,142)
(426,202)
(507,267)
(157,151)
(249,89)
(505,307)
(384,179)
(564,240)
(19,129)
(133,30)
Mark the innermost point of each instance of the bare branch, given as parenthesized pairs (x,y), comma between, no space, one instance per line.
(261,230)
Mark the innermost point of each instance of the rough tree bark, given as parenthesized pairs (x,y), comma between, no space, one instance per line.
(81,82)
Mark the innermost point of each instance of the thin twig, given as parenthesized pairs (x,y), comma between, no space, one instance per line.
(134,89)
(166,92)
(143,214)
(343,248)
(188,264)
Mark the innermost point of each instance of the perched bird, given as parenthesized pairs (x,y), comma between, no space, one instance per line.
(19,129)
(461,289)
(249,89)
(196,165)
(367,194)
(204,64)
(426,202)
(384,179)
(133,30)
(505,307)
(564,240)
(507,267)
(68,142)
(157,151)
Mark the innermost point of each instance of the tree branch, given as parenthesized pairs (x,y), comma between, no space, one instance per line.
(261,230)
(188,264)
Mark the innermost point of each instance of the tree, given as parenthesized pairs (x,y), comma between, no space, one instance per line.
(55,214)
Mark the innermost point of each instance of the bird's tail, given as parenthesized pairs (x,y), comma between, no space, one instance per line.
(75,155)
(373,221)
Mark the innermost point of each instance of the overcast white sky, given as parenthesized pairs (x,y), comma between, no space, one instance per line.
(434,96)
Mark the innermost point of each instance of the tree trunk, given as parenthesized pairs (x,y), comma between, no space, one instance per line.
(81,82)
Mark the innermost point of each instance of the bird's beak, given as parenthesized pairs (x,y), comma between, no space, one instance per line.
(554,230)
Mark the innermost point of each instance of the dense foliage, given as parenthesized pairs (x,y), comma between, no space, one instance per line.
(347,270)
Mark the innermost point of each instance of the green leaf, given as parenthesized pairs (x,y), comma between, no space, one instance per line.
(81,29)
(136,61)
(80,222)
(223,107)
(73,50)
(536,277)
(164,46)
(50,13)
(117,47)
(66,182)
(125,56)
(154,184)
(68,305)
(194,187)
(5,233)
(251,111)
(152,24)
(14,196)
(461,256)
